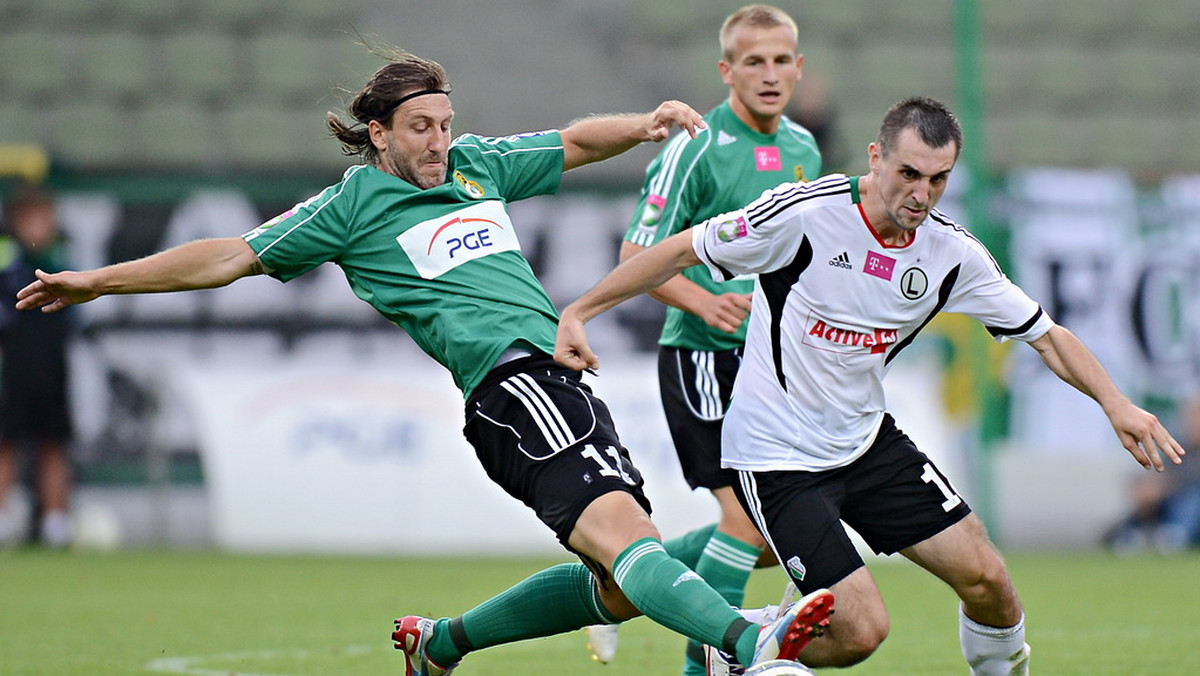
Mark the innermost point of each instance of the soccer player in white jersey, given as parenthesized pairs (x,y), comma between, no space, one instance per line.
(422,232)
(850,269)
(748,146)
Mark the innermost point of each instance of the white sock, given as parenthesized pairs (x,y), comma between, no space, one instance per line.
(56,529)
(764,615)
(994,651)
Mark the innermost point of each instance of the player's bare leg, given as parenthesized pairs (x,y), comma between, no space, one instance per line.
(856,629)
(991,620)
(54,488)
(8,478)
(672,594)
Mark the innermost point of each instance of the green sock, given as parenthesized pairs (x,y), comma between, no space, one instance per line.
(689,546)
(674,596)
(552,601)
(725,565)
(744,648)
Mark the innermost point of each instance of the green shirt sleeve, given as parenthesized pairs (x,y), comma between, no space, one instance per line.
(311,233)
(669,193)
(520,165)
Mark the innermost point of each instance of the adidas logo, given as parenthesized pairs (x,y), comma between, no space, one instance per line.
(841,260)
(724,139)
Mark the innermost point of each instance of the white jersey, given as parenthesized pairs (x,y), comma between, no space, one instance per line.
(833,306)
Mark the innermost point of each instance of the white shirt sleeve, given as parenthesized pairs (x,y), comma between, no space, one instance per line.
(734,243)
(985,293)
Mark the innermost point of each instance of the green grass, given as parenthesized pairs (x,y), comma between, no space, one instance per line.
(215,614)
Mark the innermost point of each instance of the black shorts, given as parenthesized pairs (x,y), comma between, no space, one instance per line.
(893,496)
(544,438)
(35,411)
(696,386)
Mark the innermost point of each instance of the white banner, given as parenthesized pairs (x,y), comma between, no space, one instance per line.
(370,458)
(302,456)
(1125,282)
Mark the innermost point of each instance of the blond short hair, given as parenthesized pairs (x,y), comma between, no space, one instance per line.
(755,16)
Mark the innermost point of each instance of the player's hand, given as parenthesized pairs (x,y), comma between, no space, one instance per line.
(1144,437)
(53,292)
(726,311)
(673,113)
(570,345)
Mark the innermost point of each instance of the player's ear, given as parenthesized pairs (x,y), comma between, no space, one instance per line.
(378,135)
(873,155)
(726,72)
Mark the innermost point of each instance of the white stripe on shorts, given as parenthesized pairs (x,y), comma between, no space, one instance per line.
(706,384)
(548,418)
(750,489)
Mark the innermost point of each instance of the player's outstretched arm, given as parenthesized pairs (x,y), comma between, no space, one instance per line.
(202,264)
(1139,431)
(635,276)
(724,312)
(600,137)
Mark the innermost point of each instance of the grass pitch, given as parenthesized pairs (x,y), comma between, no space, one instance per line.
(210,614)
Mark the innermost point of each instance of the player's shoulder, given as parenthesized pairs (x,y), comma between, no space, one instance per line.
(360,172)
(803,200)
(797,132)
(828,190)
(950,234)
(940,225)
(356,180)
(486,154)
(831,183)
(531,138)
(682,159)
(682,144)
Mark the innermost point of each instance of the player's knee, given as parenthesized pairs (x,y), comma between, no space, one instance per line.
(617,604)
(742,529)
(990,585)
(860,645)
(855,641)
(766,559)
(610,524)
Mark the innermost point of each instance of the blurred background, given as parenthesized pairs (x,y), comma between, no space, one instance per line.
(153,123)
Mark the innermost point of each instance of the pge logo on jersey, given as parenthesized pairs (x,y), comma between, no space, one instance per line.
(439,245)
(477,236)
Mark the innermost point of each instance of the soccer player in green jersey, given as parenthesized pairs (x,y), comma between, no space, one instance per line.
(422,232)
(748,147)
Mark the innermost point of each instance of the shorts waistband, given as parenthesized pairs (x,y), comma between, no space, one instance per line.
(531,361)
(511,354)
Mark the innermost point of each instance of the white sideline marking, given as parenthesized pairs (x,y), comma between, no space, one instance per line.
(184,665)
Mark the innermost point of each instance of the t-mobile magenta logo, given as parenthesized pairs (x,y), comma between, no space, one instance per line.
(766,158)
(879,265)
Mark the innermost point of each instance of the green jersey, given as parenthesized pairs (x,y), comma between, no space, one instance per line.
(444,263)
(727,166)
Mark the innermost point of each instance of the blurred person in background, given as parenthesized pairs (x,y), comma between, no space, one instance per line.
(34,409)
(422,232)
(850,270)
(1165,515)
(749,146)
(812,108)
